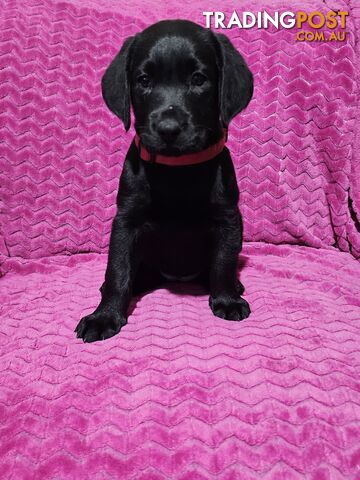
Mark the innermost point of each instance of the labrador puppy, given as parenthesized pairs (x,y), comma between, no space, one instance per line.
(177,206)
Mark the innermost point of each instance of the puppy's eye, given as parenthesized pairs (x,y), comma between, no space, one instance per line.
(198,79)
(144,80)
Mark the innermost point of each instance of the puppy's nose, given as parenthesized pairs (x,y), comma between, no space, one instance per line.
(169,129)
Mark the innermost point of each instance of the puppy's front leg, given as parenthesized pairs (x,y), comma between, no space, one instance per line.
(124,256)
(111,313)
(225,289)
(226,238)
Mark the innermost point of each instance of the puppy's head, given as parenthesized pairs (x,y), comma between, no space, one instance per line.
(185,84)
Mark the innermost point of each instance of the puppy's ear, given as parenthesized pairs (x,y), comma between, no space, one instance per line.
(115,84)
(236,80)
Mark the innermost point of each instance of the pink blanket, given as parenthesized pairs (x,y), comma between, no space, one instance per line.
(179,394)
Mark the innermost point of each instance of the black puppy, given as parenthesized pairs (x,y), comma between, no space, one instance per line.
(178,214)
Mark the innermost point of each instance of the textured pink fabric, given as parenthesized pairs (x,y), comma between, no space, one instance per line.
(179,394)
(62,150)
(354,190)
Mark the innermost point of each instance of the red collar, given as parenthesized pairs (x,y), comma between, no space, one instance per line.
(189,159)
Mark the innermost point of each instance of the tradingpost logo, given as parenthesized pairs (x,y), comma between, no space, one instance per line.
(310,26)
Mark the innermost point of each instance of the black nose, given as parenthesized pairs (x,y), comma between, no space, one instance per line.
(169,129)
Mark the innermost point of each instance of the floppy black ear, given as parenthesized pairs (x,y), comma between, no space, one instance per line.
(115,84)
(236,80)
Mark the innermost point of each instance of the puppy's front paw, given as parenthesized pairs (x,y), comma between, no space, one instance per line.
(229,308)
(99,325)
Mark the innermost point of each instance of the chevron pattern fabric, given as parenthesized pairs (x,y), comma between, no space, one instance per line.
(179,394)
(62,150)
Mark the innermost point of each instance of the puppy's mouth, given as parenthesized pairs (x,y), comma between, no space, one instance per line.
(184,144)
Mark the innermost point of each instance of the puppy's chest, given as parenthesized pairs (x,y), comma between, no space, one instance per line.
(183,194)
(185,204)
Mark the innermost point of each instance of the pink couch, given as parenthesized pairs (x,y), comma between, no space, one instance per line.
(179,394)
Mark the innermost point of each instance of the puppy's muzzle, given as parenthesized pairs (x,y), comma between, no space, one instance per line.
(169,129)
(170,122)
